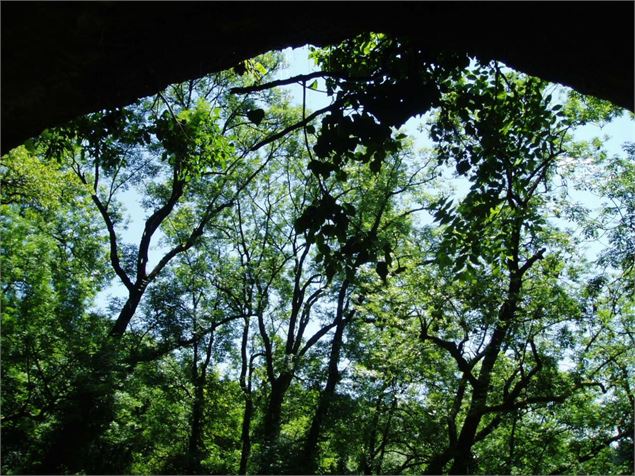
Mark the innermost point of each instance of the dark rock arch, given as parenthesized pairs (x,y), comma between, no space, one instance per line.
(61,60)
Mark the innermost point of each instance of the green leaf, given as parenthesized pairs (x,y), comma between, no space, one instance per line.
(382,270)
(313,85)
(258,66)
(240,68)
(375,165)
(256,116)
(462,167)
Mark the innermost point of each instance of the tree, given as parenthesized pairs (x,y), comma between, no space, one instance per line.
(181,147)
(53,262)
(380,222)
(308,294)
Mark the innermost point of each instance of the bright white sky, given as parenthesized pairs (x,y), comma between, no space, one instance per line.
(617,132)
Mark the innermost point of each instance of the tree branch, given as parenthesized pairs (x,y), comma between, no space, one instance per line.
(529,263)
(292,80)
(451,347)
(302,123)
(316,337)
(114,249)
(153,222)
(594,451)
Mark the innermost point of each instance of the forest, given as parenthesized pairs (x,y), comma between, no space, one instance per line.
(313,291)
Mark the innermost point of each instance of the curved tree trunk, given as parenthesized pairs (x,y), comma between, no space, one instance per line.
(308,461)
(194,456)
(246,372)
(272,421)
(461,452)
(85,415)
(194,447)
(245,435)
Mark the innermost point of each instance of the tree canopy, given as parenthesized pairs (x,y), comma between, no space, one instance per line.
(311,292)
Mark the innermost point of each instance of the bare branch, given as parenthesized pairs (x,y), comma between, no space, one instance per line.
(529,263)
(114,249)
(302,78)
(453,350)
(287,130)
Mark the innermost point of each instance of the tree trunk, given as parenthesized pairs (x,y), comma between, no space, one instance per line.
(507,312)
(463,449)
(244,437)
(512,444)
(194,448)
(127,313)
(272,420)
(85,414)
(463,458)
(436,465)
(368,455)
(88,410)
(385,437)
(461,452)
(199,378)
(246,372)
(308,462)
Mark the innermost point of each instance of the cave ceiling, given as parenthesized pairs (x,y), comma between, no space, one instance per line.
(61,60)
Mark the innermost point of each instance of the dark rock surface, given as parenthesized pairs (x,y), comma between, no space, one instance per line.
(61,60)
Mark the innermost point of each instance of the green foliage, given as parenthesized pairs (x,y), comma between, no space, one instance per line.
(53,263)
(300,278)
(581,109)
